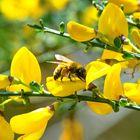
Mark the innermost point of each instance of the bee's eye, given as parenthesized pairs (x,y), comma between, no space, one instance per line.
(81,72)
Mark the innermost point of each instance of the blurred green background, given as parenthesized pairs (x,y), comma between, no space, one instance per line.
(14,33)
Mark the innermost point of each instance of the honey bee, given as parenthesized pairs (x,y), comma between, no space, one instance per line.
(68,68)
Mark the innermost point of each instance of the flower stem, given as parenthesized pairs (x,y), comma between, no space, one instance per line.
(80,98)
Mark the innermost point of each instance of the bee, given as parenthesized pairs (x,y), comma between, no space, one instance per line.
(68,68)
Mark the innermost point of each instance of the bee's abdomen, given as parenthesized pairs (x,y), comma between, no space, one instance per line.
(57,73)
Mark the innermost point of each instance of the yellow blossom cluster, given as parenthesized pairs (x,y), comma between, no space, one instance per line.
(23,9)
(25,69)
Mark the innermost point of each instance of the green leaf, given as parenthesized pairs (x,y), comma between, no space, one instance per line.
(34,86)
(127,55)
(65,107)
(117,42)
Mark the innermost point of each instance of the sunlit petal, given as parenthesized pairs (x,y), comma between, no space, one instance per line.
(111,26)
(25,66)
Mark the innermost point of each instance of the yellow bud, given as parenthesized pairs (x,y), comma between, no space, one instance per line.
(80,32)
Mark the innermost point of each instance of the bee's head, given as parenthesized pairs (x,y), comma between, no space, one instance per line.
(81,73)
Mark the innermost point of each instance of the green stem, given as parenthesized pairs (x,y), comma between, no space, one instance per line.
(6,101)
(79,97)
(56,32)
(94,43)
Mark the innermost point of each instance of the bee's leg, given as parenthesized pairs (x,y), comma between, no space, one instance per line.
(80,78)
(69,76)
(62,77)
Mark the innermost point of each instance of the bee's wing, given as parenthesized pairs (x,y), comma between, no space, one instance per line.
(62,58)
(54,62)
(57,62)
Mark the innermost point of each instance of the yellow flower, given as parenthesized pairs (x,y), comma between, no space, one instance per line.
(112,90)
(71,129)
(57,4)
(112,55)
(6,132)
(95,70)
(21,9)
(129,5)
(31,124)
(136,15)
(90,16)
(131,90)
(25,66)
(100,108)
(80,32)
(4,81)
(111,26)
(64,87)
(136,36)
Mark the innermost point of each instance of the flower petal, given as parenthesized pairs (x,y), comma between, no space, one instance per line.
(112,85)
(112,55)
(90,16)
(129,5)
(111,26)
(6,132)
(131,90)
(57,4)
(65,87)
(4,81)
(30,122)
(80,32)
(100,108)
(95,70)
(34,135)
(25,66)
(73,129)
(136,36)
(17,88)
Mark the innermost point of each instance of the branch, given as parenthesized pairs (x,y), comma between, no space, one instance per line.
(115,104)
(92,43)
